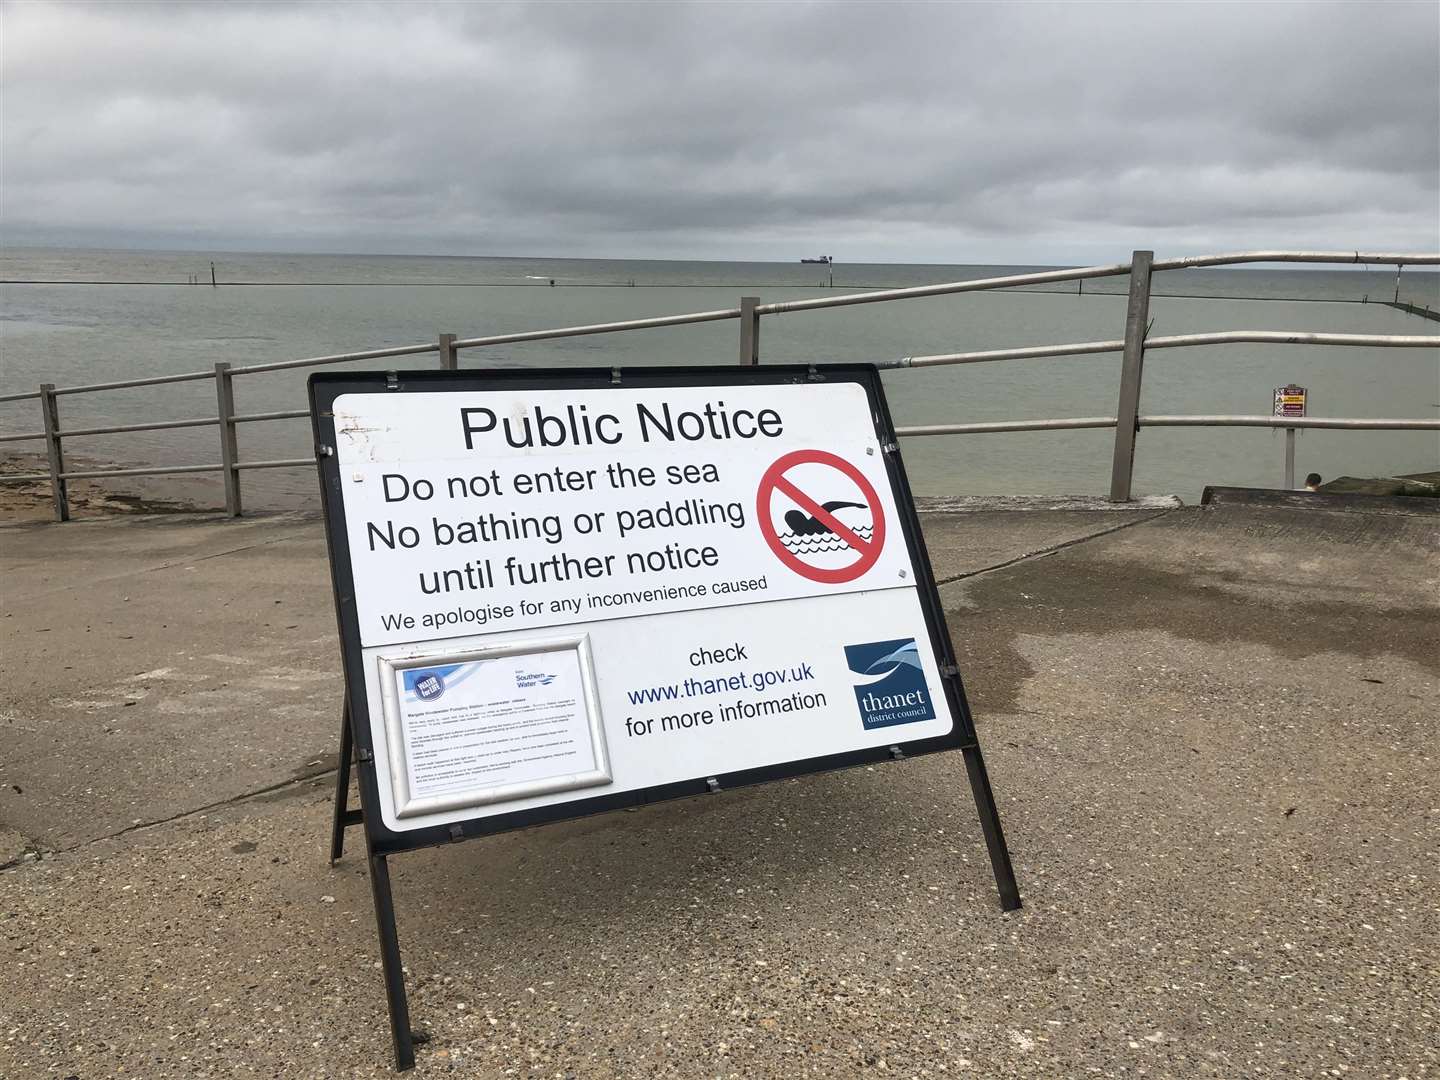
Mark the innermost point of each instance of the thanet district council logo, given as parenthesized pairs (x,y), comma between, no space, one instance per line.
(890,684)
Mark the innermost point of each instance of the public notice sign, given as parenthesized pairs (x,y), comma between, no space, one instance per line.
(565,591)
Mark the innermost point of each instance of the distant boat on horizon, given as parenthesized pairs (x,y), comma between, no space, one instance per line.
(822,259)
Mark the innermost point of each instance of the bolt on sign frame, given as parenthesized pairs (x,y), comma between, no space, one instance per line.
(368,726)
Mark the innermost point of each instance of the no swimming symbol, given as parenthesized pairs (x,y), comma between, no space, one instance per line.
(820,516)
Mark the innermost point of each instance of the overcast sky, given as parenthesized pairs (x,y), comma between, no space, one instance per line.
(888,132)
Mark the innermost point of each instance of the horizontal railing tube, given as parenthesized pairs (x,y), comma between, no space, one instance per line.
(1292,337)
(719,315)
(1063,424)
(337,358)
(973,285)
(22,438)
(19,397)
(1174,341)
(251,418)
(15,478)
(1388,258)
(986,356)
(125,384)
(149,470)
(278,463)
(1350,422)
(158,425)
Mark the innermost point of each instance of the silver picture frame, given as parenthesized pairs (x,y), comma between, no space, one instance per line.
(408,806)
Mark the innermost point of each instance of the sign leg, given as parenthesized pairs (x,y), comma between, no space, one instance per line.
(990,826)
(390,960)
(342,786)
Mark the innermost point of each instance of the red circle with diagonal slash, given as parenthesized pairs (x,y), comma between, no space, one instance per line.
(774,480)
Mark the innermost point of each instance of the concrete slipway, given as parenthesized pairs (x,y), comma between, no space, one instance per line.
(1212,733)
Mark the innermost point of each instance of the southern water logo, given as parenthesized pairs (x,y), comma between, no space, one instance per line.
(891,686)
(526,679)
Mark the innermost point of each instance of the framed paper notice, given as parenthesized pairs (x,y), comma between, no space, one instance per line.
(488,725)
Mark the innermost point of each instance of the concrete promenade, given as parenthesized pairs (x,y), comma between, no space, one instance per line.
(1212,732)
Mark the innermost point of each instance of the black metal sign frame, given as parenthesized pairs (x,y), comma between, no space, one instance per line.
(356,740)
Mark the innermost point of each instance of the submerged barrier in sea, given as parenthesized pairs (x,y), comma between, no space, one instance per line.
(1126,422)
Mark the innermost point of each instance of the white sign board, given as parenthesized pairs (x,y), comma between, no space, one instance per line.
(563,593)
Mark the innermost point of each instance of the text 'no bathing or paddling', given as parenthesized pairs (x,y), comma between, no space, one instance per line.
(835,529)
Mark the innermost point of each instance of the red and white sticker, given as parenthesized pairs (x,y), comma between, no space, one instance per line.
(820,516)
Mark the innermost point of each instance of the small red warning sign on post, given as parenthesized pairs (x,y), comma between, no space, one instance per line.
(1290,400)
(820,516)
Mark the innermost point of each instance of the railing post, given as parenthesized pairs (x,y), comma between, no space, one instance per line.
(448,359)
(749,331)
(54,452)
(1132,366)
(229,452)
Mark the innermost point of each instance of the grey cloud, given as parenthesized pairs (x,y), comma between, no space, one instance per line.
(963,132)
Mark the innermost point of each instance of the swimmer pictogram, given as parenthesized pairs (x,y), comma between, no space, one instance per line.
(828,539)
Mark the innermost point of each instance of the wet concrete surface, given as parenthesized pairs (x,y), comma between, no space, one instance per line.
(1212,734)
(1304,585)
(962,544)
(159,665)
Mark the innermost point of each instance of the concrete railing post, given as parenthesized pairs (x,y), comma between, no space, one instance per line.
(749,331)
(54,452)
(449,361)
(229,445)
(1132,367)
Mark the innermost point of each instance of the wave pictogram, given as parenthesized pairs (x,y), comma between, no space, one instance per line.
(809,545)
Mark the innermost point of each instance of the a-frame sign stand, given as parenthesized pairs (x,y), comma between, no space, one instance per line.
(358,745)
(401,1038)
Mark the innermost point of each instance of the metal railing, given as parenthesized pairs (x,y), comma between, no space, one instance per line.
(1127,420)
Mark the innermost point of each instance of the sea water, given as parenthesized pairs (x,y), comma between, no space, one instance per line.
(72,317)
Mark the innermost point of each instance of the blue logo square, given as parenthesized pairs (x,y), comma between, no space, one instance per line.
(890,685)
